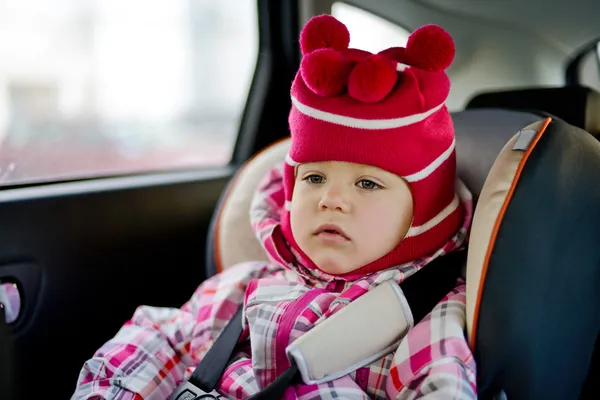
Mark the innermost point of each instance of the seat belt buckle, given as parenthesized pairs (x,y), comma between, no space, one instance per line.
(189,391)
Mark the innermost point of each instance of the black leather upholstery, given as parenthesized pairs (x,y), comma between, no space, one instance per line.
(576,105)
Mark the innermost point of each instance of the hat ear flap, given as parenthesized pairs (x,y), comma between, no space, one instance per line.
(324,31)
(430,48)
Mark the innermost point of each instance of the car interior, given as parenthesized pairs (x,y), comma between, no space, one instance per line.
(82,253)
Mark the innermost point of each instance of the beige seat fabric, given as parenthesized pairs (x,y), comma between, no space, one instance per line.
(495,195)
(233,230)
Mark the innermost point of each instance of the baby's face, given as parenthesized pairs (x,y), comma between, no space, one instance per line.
(345,215)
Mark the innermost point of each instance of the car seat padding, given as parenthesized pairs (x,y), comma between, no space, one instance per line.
(233,240)
(539,303)
(493,201)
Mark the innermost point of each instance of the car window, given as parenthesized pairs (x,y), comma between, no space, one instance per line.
(369,31)
(589,69)
(109,87)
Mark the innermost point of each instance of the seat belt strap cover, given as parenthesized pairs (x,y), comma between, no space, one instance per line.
(355,336)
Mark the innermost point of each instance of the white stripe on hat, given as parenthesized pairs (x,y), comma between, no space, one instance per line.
(288,205)
(372,124)
(450,208)
(290,162)
(428,170)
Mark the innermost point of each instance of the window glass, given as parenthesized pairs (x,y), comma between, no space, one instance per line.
(368,31)
(589,70)
(110,87)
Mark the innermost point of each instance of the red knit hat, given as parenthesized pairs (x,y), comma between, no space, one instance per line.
(385,110)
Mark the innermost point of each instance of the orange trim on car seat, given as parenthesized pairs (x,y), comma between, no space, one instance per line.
(216,247)
(497,227)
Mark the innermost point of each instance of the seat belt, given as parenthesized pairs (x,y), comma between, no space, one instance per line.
(422,291)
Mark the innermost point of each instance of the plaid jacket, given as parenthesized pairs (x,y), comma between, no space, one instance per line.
(160,347)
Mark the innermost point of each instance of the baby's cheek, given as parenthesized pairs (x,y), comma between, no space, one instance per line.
(379,235)
(296,221)
(375,223)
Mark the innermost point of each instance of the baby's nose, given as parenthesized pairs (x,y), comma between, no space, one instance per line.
(335,199)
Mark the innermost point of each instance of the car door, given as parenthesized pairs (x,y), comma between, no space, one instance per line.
(121,122)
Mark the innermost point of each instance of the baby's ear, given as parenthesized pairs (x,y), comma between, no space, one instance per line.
(430,48)
(324,31)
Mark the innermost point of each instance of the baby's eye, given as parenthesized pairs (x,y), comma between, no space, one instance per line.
(315,179)
(368,185)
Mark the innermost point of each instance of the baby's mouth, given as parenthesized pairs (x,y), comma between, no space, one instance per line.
(331,232)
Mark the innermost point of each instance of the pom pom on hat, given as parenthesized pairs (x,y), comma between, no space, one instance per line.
(329,67)
(372,79)
(325,72)
(430,48)
(324,31)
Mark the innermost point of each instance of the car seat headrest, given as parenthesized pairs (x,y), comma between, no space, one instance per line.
(576,105)
(533,267)
(231,239)
(480,135)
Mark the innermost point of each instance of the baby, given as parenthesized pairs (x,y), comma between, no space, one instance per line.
(367,194)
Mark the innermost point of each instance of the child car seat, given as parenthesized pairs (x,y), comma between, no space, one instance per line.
(533,301)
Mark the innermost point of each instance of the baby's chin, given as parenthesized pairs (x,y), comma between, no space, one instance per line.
(334,266)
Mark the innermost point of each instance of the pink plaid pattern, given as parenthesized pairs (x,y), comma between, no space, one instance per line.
(160,347)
